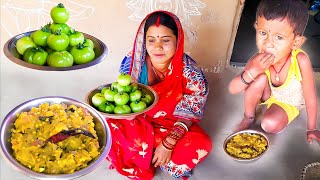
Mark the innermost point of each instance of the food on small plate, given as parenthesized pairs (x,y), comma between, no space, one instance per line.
(246,145)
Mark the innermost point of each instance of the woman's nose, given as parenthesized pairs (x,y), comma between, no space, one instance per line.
(158,45)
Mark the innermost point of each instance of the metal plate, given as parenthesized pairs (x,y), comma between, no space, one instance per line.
(248,131)
(130,116)
(12,54)
(101,127)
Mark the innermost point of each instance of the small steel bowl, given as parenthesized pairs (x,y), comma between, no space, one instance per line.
(101,127)
(12,54)
(248,131)
(129,116)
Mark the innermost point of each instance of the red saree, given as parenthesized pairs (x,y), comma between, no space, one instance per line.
(182,94)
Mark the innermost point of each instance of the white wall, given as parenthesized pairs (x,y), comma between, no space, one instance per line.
(208,25)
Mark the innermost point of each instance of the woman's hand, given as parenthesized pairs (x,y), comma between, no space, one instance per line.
(259,63)
(161,156)
(313,135)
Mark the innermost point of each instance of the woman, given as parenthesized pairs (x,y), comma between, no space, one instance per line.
(168,135)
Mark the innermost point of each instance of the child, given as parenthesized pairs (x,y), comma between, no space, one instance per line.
(280,75)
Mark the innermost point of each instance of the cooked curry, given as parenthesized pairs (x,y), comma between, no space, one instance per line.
(246,145)
(32,129)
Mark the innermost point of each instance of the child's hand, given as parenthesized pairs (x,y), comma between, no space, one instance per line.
(259,63)
(313,135)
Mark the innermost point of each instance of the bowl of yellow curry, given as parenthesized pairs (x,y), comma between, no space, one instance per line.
(246,146)
(54,138)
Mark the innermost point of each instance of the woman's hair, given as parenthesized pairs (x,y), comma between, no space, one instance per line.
(292,10)
(163,19)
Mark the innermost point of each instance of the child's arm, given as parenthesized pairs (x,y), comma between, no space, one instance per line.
(256,65)
(310,96)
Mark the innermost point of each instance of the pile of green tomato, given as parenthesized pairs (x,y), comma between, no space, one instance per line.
(122,97)
(56,44)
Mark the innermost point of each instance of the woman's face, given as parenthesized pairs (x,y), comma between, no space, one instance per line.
(161,44)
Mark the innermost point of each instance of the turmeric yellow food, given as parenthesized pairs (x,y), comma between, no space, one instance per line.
(32,129)
(246,145)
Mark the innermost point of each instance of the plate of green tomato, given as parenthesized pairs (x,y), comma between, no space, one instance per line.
(56,46)
(122,99)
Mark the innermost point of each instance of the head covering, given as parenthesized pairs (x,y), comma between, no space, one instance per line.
(170,90)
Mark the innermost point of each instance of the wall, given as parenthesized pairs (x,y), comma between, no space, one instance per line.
(208,24)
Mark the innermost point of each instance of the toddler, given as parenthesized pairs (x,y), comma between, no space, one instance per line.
(280,74)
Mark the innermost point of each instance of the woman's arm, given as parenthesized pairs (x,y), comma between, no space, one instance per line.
(192,104)
(189,109)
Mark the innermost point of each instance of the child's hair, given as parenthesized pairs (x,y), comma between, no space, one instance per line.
(293,10)
(164,19)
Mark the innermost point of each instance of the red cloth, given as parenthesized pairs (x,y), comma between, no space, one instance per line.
(133,141)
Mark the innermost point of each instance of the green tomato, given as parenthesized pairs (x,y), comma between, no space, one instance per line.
(103,90)
(109,94)
(107,107)
(121,98)
(24,43)
(88,43)
(58,41)
(31,35)
(114,85)
(134,86)
(59,14)
(35,55)
(40,37)
(126,89)
(64,28)
(124,79)
(60,59)
(135,95)
(123,109)
(75,37)
(49,50)
(82,54)
(98,99)
(147,99)
(137,106)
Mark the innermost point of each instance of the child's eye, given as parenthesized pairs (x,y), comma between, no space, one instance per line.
(262,33)
(279,38)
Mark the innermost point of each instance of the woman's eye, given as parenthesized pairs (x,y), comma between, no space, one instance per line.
(165,40)
(279,38)
(151,40)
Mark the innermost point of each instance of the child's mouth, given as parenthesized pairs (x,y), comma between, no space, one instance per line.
(263,51)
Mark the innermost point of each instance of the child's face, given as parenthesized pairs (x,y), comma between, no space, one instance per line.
(161,44)
(275,37)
